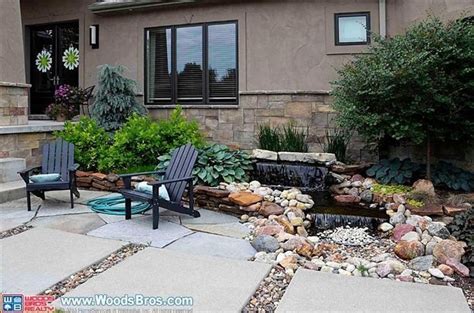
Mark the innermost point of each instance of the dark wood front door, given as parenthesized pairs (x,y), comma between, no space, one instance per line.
(54,52)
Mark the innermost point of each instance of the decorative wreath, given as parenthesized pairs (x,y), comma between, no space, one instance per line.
(71,58)
(44,61)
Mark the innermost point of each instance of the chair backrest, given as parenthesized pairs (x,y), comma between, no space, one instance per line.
(181,165)
(58,157)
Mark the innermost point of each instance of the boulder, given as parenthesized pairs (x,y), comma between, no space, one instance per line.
(400,230)
(269,230)
(289,262)
(458,267)
(439,230)
(446,269)
(306,249)
(422,263)
(408,250)
(265,243)
(385,227)
(251,208)
(292,243)
(254,184)
(410,236)
(383,269)
(264,154)
(283,221)
(270,208)
(448,249)
(366,196)
(300,230)
(397,218)
(244,198)
(347,198)
(424,186)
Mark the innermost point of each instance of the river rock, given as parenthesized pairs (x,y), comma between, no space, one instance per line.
(269,230)
(306,249)
(424,186)
(264,154)
(385,227)
(289,262)
(439,230)
(410,236)
(283,221)
(408,250)
(422,263)
(400,230)
(446,270)
(296,221)
(284,203)
(366,196)
(265,243)
(458,267)
(263,191)
(436,273)
(397,218)
(244,198)
(300,230)
(383,269)
(251,208)
(292,244)
(448,249)
(270,208)
(264,257)
(304,198)
(429,247)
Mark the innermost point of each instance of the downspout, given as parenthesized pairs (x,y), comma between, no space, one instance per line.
(383,18)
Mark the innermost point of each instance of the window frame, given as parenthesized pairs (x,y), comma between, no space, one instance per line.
(174,79)
(351,14)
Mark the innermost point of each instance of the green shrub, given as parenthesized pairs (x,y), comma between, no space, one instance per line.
(387,190)
(89,139)
(416,86)
(452,177)
(269,138)
(394,171)
(137,143)
(336,142)
(115,99)
(289,138)
(217,163)
(462,228)
(177,131)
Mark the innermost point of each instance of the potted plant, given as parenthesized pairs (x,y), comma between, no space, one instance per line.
(67,100)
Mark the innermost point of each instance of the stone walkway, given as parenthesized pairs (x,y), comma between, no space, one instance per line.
(204,258)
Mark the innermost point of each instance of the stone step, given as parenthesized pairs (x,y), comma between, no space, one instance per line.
(9,168)
(12,191)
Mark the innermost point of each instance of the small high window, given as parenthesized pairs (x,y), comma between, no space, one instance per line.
(352,28)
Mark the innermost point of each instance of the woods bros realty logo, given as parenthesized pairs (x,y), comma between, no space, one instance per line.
(18,303)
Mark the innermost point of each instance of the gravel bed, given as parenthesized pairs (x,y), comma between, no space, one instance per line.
(82,276)
(14,231)
(270,291)
(467,286)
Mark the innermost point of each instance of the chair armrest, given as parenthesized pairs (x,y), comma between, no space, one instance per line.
(29,169)
(141,173)
(73,168)
(162,182)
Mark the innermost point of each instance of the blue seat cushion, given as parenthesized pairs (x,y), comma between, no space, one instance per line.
(144,187)
(45,178)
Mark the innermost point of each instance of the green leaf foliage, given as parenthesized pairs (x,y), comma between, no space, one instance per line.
(115,99)
(395,171)
(89,139)
(414,86)
(216,163)
(452,177)
(289,137)
(462,228)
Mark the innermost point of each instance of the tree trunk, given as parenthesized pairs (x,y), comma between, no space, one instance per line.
(428,157)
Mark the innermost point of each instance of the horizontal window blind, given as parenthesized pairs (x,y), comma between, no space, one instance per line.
(159,66)
(189,60)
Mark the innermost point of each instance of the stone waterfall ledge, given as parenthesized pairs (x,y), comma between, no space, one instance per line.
(304,157)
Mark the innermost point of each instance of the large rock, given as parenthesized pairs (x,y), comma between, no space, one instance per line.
(398,218)
(244,198)
(422,263)
(385,227)
(306,249)
(251,208)
(265,243)
(446,270)
(410,236)
(287,226)
(293,243)
(269,230)
(347,198)
(270,208)
(424,186)
(400,230)
(264,154)
(366,196)
(408,250)
(439,230)
(309,157)
(448,249)
(458,267)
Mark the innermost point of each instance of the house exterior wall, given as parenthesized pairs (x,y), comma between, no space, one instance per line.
(287,56)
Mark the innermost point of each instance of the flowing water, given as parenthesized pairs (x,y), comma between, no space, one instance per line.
(310,179)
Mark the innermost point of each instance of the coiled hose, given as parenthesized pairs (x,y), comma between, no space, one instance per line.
(114,204)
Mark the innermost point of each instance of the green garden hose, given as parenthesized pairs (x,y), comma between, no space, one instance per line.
(115,205)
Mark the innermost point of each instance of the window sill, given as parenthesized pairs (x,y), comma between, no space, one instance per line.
(193,106)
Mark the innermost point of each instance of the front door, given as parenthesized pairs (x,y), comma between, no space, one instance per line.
(54,51)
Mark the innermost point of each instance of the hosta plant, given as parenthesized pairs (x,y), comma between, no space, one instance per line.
(462,228)
(394,171)
(452,177)
(216,163)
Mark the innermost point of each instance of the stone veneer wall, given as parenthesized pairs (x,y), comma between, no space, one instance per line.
(13,104)
(24,145)
(238,125)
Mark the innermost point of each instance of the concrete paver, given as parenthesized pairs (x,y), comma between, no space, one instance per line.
(311,291)
(38,258)
(215,284)
(72,223)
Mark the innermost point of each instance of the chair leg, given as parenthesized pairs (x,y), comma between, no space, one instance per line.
(156,215)
(28,200)
(71,195)
(128,208)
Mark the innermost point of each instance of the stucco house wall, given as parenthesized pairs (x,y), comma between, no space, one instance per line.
(287,56)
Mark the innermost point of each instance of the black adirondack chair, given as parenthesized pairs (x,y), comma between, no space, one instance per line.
(176,177)
(58,157)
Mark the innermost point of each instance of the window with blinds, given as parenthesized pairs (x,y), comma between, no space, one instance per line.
(192,64)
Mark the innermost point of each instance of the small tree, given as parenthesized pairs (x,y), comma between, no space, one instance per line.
(418,86)
(115,98)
